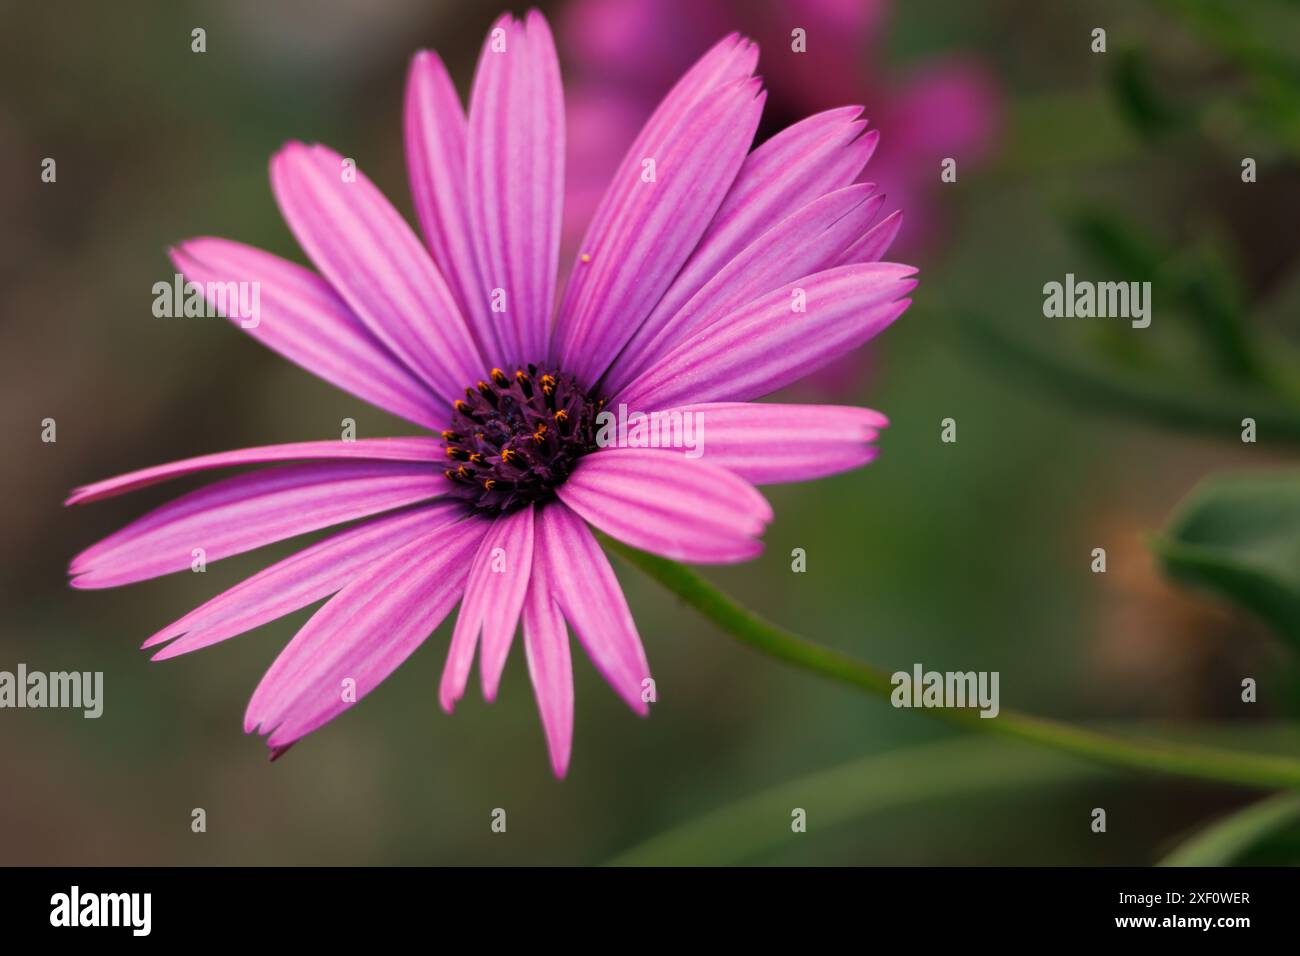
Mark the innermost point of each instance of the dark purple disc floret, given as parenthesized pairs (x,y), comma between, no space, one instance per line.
(514,439)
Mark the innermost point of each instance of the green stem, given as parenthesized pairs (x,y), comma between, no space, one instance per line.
(1205,763)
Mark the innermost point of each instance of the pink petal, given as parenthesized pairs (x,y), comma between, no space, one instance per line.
(875,242)
(546,647)
(644,231)
(584,588)
(436,133)
(383,449)
(515,174)
(298,580)
(769,443)
(362,634)
(376,263)
(811,240)
(813,157)
(303,319)
(662,502)
(494,595)
(768,344)
(732,58)
(248,511)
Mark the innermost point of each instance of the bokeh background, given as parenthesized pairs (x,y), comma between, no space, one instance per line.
(973,555)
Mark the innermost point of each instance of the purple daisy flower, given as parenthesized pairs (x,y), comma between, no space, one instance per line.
(710,275)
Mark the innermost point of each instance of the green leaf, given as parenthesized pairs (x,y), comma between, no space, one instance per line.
(1225,841)
(1239,538)
(936,772)
(942,770)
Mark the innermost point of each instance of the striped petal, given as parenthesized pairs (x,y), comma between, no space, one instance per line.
(376,263)
(776,339)
(515,175)
(362,635)
(687,510)
(550,667)
(732,58)
(584,588)
(494,596)
(379,449)
(248,511)
(768,443)
(811,240)
(875,242)
(301,317)
(803,162)
(808,159)
(652,216)
(436,133)
(300,579)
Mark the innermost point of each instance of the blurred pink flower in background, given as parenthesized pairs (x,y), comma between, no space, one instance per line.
(624,54)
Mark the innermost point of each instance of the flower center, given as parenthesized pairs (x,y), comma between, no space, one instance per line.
(514,439)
